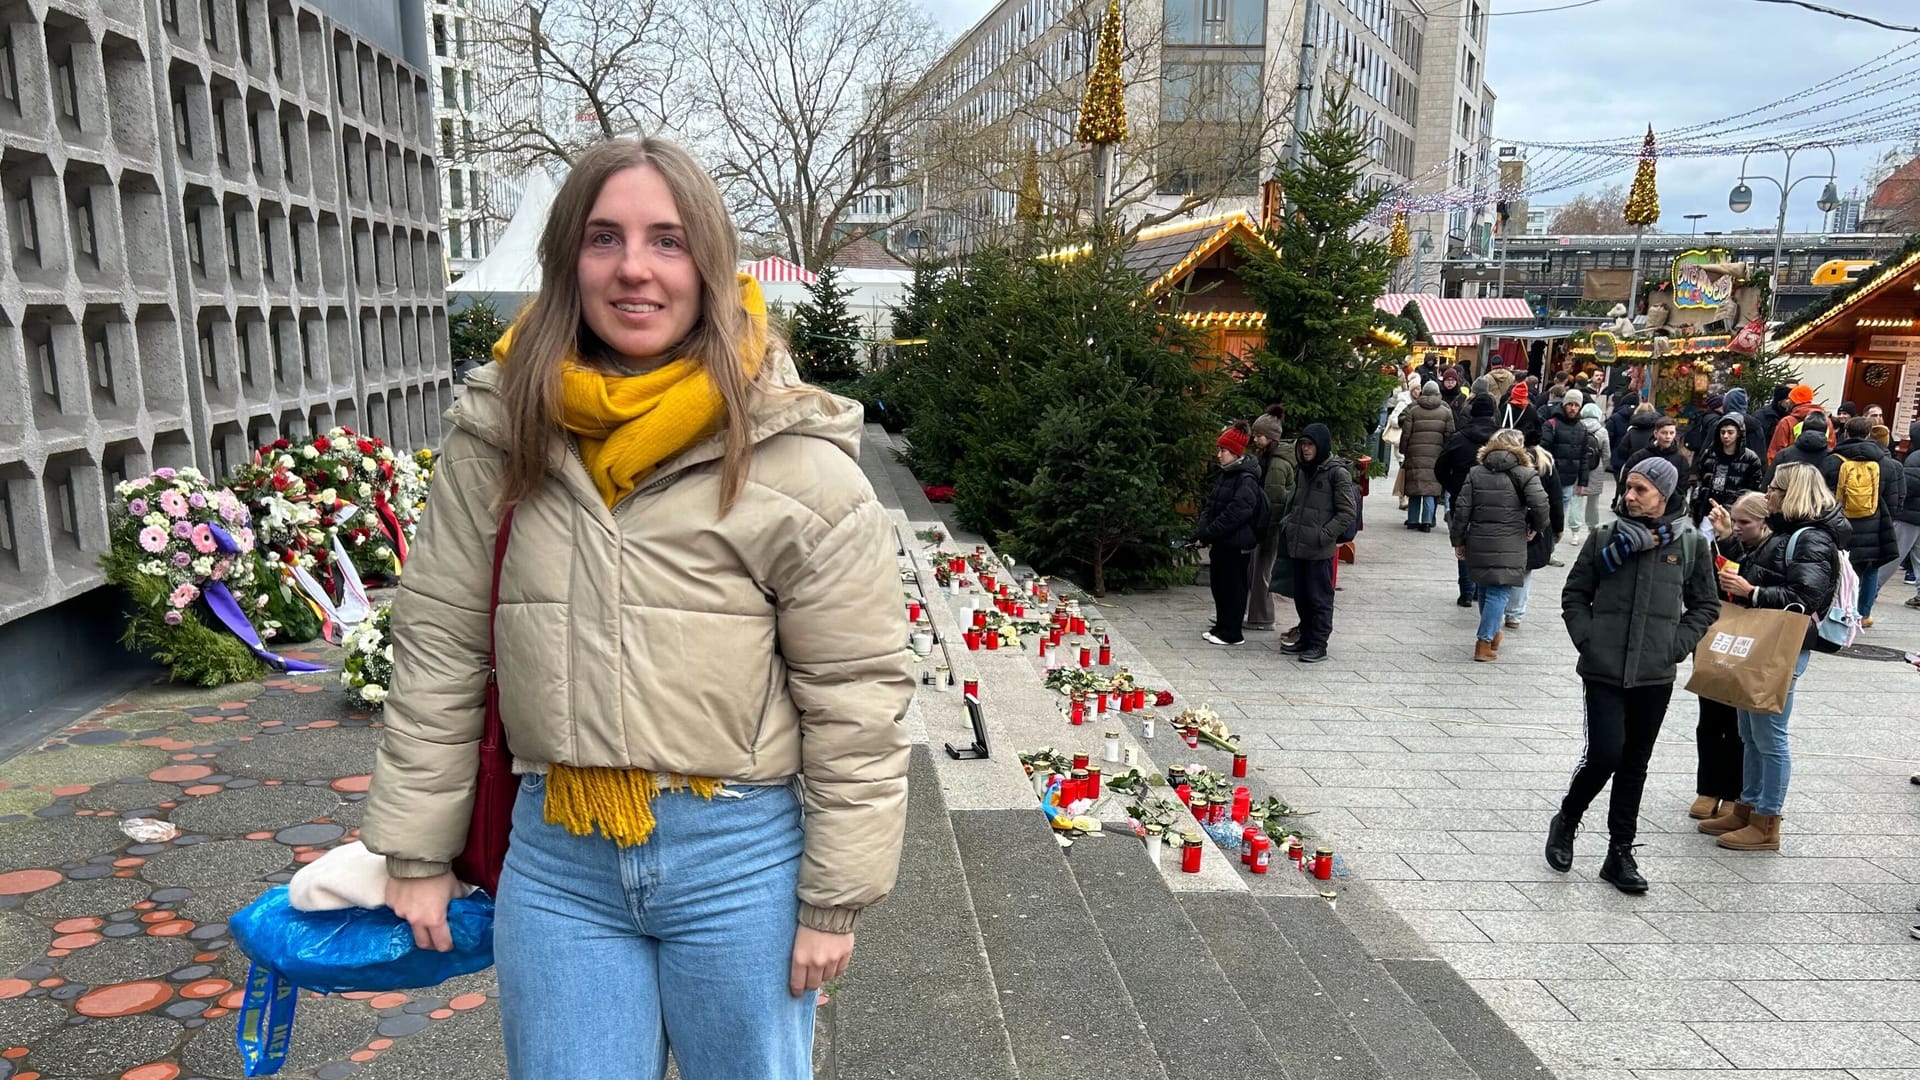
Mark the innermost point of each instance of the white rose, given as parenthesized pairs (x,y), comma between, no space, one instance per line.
(366,491)
(387,653)
(286,461)
(327,497)
(373,694)
(341,473)
(309,453)
(370,464)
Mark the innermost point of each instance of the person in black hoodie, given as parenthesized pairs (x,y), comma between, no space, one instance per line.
(1756,434)
(1767,417)
(1810,447)
(1228,525)
(1325,504)
(1462,452)
(1874,543)
(1634,437)
(1665,444)
(1726,467)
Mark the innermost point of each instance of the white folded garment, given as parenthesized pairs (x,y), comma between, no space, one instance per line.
(349,876)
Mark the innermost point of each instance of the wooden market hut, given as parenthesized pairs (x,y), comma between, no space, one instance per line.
(1874,336)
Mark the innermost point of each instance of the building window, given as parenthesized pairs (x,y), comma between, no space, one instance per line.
(222,138)
(102,356)
(466,88)
(9,76)
(453,240)
(243,29)
(196,246)
(266,251)
(473,233)
(460,38)
(253,141)
(446,139)
(66,90)
(170,14)
(6,518)
(26,225)
(1215,22)
(456,197)
(233,244)
(209,25)
(279,359)
(449,88)
(209,370)
(63,498)
(83,232)
(47,367)
(182,129)
(299,257)
(439,35)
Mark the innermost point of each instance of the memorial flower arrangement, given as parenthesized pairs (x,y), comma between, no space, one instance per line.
(173,538)
(350,481)
(369,665)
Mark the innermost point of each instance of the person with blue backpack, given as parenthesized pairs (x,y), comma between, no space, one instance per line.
(1801,565)
(1230,524)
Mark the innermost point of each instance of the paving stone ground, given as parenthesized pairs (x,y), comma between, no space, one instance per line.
(1436,776)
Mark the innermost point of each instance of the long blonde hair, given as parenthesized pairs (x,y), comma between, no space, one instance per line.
(1806,497)
(1507,439)
(550,329)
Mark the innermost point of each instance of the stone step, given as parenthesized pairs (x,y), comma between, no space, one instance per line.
(1198,1024)
(1068,1012)
(875,448)
(1307,1029)
(919,999)
(1489,1047)
(913,500)
(1399,1034)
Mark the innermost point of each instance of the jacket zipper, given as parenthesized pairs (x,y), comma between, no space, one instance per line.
(574,445)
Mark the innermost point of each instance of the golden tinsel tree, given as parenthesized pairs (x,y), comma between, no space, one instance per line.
(1399,241)
(1030,205)
(1643,202)
(1103,111)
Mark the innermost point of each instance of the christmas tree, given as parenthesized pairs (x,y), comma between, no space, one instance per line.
(1319,296)
(1412,313)
(1643,200)
(826,337)
(1103,111)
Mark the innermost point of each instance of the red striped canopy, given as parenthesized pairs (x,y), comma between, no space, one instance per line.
(775,268)
(1452,321)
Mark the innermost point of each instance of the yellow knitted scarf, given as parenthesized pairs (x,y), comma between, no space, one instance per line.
(625,426)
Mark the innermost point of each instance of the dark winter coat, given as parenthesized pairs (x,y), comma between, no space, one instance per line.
(1324,501)
(1571,446)
(1783,436)
(1756,434)
(1700,430)
(1499,504)
(1633,625)
(1810,448)
(1721,477)
(1462,453)
(1809,580)
(1278,470)
(1228,518)
(1681,467)
(1637,437)
(1909,511)
(1524,419)
(1617,426)
(1425,427)
(1874,544)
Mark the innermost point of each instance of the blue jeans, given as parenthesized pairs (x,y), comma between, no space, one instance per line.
(1493,608)
(1517,605)
(1869,589)
(1420,509)
(608,955)
(1766,761)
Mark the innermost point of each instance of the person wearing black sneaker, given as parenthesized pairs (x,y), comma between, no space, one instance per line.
(1323,509)
(1636,602)
(1229,524)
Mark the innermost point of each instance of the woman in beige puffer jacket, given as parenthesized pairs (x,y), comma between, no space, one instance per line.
(699,642)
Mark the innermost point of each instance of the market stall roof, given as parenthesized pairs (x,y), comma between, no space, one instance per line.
(774,268)
(1166,253)
(1886,302)
(1528,333)
(1456,321)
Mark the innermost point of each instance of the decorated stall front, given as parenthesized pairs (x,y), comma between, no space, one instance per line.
(1703,327)
(1875,332)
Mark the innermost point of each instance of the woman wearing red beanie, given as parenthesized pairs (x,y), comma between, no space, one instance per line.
(1228,524)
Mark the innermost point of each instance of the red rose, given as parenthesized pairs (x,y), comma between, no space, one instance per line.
(365,447)
(1163,698)
(281,444)
(321,444)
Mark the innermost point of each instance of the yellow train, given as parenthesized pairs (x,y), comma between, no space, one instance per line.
(1840,271)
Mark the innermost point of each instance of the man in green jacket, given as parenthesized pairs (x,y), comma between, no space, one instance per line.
(1636,602)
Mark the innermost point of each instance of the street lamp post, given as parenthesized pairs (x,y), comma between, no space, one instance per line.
(1695,220)
(1741,198)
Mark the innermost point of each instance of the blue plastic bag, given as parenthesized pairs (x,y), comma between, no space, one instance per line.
(354,949)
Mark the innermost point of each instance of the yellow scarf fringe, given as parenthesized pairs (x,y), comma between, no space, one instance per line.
(618,802)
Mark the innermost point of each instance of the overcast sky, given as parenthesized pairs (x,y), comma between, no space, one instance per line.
(1609,69)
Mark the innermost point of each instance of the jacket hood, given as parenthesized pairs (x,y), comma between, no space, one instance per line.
(1590,415)
(1502,461)
(1835,524)
(1246,463)
(481,411)
(1736,400)
(1863,450)
(1430,395)
(1739,425)
(1811,440)
(1646,421)
(1322,441)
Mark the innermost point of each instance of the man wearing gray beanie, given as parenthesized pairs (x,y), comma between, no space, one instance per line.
(1637,601)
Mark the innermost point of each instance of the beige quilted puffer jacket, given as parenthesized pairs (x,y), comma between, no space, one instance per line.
(660,636)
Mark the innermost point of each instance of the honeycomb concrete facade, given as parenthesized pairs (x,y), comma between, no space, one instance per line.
(222,225)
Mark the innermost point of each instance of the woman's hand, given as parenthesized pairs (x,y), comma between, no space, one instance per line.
(423,903)
(818,959)
(1734,585)
(1721,521)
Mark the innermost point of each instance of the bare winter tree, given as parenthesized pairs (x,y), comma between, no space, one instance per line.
(1602,213)
(795,104)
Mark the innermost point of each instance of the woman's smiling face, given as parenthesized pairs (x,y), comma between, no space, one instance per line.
(640,291)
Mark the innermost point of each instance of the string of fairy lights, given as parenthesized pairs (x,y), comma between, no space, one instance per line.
(1874,102)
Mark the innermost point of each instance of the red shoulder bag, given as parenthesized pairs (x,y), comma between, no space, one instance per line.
(494,785)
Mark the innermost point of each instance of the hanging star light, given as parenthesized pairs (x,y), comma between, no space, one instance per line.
(1643,202)
(1399,241)
(1103,111)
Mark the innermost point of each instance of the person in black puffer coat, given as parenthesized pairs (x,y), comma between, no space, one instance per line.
(1874,542)
(1797,567)
(1502,505)
(1636,436)
(1570,444)
(1810,447)
(1906,522)
(1325,505)
(1425,427)
(1726,467)
(1456,461)
(1755,433)
(1228,525)
(1665,444)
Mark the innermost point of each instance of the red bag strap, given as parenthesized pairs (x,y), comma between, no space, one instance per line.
(494,733)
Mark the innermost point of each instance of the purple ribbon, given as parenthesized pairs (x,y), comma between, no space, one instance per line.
(228,611)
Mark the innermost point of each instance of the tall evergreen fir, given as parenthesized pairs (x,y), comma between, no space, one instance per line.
(1318,295)
(1412,313)
(914,312)
(825,333)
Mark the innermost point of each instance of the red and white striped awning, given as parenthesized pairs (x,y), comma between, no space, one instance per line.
(1455,322)
(774,268)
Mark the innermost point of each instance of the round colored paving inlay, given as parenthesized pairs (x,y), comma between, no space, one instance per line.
(26,881)
(159,1070)
(175,774)
(123,999)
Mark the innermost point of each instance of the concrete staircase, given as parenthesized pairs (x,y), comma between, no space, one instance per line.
(1002,955)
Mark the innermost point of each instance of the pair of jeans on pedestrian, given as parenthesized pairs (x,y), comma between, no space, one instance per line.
(1869,588)
(1622,724)
(1493,608)
(1420,509)
(1313,601)
(1227,577)
(1517,603)
(1768,763)
(610,955)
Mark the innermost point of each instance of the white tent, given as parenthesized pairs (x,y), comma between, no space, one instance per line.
(875,292)
(510,274)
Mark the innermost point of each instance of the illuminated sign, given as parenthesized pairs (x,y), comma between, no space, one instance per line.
(1694,286)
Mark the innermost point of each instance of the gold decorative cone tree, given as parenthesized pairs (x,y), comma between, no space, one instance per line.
(1399,241)
(1103,111)
(1643,201)
(1030,205)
